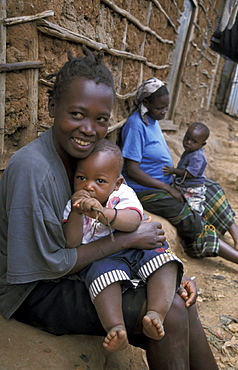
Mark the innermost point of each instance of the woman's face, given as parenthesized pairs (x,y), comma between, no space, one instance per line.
(158,108)
(81,117)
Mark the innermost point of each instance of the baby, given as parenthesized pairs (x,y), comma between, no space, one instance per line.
(102,201)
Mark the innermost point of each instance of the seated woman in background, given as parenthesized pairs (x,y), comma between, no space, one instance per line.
(146,153)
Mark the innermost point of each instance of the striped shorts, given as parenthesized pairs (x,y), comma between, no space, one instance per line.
(130,267)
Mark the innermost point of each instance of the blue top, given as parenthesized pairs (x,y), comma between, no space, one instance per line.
(145,144)
(195,163)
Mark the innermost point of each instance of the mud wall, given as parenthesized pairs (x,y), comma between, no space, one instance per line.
(139,38)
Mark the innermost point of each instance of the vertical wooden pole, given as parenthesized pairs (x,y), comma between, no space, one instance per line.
(113,135)
(3,74)
(142,51)
(30,133)
(212,84)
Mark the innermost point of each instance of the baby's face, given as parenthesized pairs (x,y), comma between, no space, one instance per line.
(193,140)
(98,174)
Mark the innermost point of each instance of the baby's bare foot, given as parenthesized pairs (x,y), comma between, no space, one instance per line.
(152,325)
(116,339)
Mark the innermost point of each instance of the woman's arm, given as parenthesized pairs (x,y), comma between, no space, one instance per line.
(149,235)
(143,178)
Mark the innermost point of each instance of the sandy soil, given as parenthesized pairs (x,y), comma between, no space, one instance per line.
(23,347)
(217,282)
(216,278)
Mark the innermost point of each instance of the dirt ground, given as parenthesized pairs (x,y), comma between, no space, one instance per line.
(217,282)
(23,347)
(216,278)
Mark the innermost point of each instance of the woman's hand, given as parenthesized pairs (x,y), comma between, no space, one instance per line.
(175,193)
(149,235)
(188,291)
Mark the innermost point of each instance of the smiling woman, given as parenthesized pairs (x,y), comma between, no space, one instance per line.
(81,118)
(39,284)
(82,96)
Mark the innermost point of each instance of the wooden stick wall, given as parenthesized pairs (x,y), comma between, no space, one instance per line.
(40,24)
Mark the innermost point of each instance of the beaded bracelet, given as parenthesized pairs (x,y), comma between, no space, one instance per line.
(114,218)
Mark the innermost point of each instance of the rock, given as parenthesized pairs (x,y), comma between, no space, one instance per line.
(171,234)
(27,348)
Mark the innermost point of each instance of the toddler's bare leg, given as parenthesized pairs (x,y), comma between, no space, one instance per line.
(109,308)
(160,294)
(233,230)
(228,252)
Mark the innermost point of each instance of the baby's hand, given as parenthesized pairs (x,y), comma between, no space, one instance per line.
(79,195)
(88,206)
(167,170)
(77,198)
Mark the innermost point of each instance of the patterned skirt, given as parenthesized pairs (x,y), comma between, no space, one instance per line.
(218,211)
(199,235)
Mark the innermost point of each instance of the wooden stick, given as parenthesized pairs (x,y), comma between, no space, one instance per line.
(64,34)
(116,126)
(165,14)
(27,18)
(202,53)
(45,82)
(177,7)
(155,66)
(126,96)
(32,76)
(2,77)
(7,67)
(135,21)
(107,221)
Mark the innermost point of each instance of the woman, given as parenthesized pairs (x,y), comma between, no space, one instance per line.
(38,275)
(146,153)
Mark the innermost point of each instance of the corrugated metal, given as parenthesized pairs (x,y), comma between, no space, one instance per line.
(232,105)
